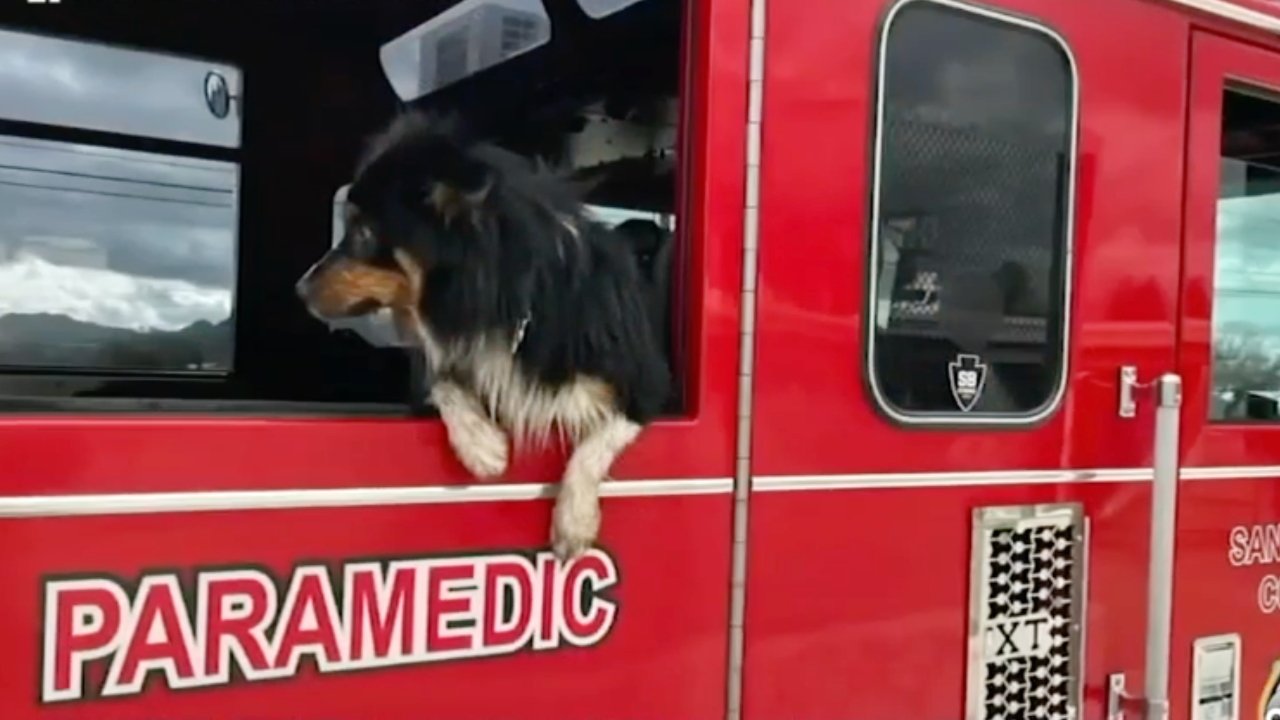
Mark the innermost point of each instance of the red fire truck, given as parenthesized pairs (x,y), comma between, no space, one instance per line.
(974,309)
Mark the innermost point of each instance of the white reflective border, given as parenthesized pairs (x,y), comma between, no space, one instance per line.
(790,483)
(782,483)
(1242,472)
(1231,11)
(176,502)
(171,502)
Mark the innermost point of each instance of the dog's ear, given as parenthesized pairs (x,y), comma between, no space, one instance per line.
(456,182)
(452,198)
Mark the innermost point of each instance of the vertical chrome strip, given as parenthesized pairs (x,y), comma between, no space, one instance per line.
(1164,508)
(746,361)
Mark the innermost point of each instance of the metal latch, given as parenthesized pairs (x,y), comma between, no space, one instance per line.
(1123,706)
(1169,393)
(1128,383)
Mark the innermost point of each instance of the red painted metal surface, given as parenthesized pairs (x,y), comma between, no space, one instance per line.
(846,622)
(857,598)
(1225,579)
(67,454)
(662,657)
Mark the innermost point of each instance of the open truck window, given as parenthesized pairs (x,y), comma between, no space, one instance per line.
(171,179)
(971,216)
(1246,283)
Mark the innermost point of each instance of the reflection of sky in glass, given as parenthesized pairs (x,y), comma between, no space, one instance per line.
(465,39)
(1247,263)
(115,238)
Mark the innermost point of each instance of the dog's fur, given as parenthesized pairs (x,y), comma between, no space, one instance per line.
(531,315)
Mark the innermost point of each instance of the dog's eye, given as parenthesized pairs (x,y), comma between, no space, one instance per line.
(363,240)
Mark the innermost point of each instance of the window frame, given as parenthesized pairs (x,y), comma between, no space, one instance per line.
(129,142)
(952,419)
(685,315)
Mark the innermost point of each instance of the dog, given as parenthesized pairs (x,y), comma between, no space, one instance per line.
(531,315)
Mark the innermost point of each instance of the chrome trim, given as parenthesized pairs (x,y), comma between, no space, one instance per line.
(784,483)
(1240,472)
(1233,12)
(746,358)
(958,418)
(175,502)
(1164,528)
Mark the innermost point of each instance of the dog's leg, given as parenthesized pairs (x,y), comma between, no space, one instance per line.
(481,446)
(576,518)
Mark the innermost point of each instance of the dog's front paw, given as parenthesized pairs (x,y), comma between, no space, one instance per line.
(480,445)
(575,525)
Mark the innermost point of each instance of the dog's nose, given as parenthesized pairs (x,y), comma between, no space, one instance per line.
(304,283)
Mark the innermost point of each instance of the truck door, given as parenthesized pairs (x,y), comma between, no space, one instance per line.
(969,222)
(1225,646)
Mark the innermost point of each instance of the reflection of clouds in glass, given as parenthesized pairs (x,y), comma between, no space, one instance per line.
(32,285)
(1247,263)
(76,83)
(1248,248)
(125,239)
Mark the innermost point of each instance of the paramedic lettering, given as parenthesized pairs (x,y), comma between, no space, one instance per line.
(380,614)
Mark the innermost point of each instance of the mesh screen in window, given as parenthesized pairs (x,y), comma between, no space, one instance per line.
(970,216)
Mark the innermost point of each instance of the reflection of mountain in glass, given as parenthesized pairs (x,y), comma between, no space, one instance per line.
(46,340)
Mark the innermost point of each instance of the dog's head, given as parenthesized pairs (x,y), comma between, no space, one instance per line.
(415,204)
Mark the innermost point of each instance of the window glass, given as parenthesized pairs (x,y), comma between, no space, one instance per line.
(1246,341)
(601,8)
(971,216)
(99,87)
(115,259)
(469,37)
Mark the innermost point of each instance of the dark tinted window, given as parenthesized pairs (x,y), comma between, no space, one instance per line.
(971,216)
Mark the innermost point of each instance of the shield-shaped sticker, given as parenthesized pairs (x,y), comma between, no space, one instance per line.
(968,376)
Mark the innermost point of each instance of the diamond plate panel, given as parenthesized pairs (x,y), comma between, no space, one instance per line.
(1026,605)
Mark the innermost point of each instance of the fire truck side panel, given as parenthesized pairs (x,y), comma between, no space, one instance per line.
(72,484)
(659,653)
(874,625)
(859,570)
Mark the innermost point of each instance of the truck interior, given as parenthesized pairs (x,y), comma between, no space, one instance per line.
(218,212)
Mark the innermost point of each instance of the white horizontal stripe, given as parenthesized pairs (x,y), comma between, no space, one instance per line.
(782,483)
(1229,473)
(140,503)
(1231,11)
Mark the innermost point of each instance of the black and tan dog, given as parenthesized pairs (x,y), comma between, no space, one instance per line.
(532,316)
